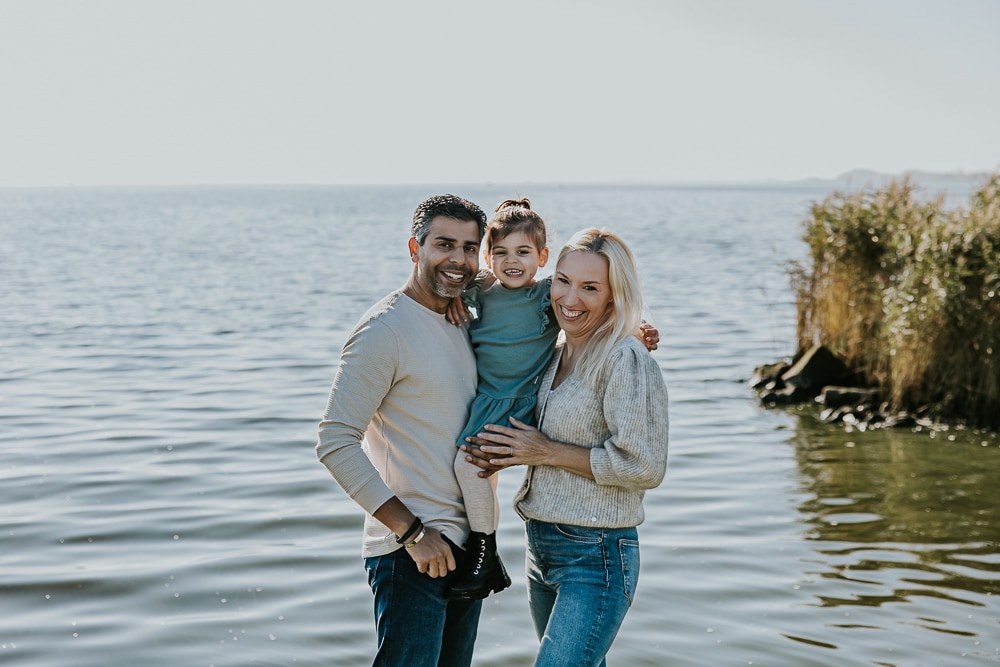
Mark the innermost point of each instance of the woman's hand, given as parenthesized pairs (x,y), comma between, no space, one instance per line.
(518,444)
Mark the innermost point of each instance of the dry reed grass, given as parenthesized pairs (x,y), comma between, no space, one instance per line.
(907,293)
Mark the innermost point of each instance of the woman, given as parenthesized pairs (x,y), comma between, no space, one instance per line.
(601,441)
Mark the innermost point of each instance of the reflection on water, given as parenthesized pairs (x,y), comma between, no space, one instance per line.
(898,516)
(900,486)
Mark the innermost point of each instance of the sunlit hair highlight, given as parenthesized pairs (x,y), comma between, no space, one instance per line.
(625,312)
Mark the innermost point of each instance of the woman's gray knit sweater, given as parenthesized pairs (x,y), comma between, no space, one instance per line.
(623,421)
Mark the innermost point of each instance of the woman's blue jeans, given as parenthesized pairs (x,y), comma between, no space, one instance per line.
(416,624)
(580,584)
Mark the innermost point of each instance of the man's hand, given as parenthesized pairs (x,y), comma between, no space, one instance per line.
(457,313)
(432,554)
(478,457)
(649,336)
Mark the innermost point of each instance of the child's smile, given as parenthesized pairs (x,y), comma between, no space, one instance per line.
(515,260)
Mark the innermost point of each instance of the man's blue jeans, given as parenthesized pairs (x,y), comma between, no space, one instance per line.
(580,584)
(416,624)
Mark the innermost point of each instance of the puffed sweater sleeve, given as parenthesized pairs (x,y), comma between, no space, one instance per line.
(635,408)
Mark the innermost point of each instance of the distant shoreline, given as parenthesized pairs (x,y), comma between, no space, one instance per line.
(853,180)
(866,178)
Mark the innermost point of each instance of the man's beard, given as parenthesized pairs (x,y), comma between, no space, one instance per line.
(445,291)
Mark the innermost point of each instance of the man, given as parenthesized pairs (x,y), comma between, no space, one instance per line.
(398,403)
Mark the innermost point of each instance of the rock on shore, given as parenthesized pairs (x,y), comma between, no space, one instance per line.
(820,377)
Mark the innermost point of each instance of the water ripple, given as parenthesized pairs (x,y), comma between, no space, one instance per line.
(164,369)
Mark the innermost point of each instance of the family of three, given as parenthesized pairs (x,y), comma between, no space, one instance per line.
(554,375)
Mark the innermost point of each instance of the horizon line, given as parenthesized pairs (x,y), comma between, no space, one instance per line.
(807,180)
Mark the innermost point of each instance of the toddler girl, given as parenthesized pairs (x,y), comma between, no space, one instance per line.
(513,334)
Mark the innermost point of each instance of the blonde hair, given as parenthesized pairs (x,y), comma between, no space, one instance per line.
(625,313)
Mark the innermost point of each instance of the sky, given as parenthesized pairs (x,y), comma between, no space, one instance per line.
(256,92)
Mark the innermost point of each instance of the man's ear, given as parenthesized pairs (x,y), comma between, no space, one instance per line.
(414,249)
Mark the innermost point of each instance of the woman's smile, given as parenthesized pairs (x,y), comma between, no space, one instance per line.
(581,293)
(570,314)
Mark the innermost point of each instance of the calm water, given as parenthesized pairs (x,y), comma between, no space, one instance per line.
(165,356)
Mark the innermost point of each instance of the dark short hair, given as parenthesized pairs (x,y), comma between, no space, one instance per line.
(450,206)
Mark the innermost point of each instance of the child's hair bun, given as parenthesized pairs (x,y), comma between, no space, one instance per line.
(510,203)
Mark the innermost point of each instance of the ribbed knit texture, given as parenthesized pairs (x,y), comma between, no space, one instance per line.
(623,422)
(403,387)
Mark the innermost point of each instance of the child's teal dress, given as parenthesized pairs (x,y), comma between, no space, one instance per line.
(513,335)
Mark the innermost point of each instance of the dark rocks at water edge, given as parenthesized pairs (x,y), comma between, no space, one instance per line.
(820,377)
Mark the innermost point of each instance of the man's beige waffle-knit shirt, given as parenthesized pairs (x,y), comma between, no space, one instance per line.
(398,403)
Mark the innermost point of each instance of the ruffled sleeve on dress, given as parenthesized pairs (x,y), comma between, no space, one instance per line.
(545,314)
